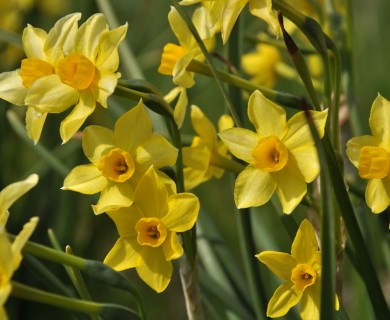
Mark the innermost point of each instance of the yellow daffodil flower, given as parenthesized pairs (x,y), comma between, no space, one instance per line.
(10,258)
(119,159)
(198,157)
(281,155)
(262,64)
(176,58)
(69,66)
(371,155)
(227,12)
(301,271)
(147,230)
(13,192)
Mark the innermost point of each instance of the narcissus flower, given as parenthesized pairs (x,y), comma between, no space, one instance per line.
(10,258)
(198,158)
(148,230)
(13,192)
(301,271)
(281,154)
(371,155)
(69,66)
(119,159)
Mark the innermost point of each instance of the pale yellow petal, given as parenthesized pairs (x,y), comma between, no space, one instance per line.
(240,142)
(156,151)
(267,117)
(96,142)
(203,127)
(13,192)
(86,179)
(378,194)
(181,76)
(290,189)
(33,40)
(6,261)
(311,302)
(253,188)
(60,37)
(197,157)
(181,107)
(125,220)
(180,29)
(303,162)
(89,34)
(108,58)
(106,86)
(114,196)
(355,144)
(34,123)
(20,241)
(263,10)
(124,254)
(298,133)
(182,213)
(380,121)
(230,14)
(155,271)
(49,94)
(151,195)
(305,243)
(279,263)
(284,298)
(225,122)
(171,247)
(11,88)
(132,128)
(72,123)
(193,178)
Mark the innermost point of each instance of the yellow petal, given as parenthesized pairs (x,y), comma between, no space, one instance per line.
(230,14)
(88,36)
(49,94)
(225,122)
(151,195)
(125,220)
(156,151)
(124,254)
(196,157)
(279,263)
(106,86)
(11,88)
(182,213)
(60,37)
(180,29)
(171,247)
(86,179)
(378,194)
(203,127)
(96,142)
(6,261)
(181,76)
(267,117)
(13,192)
(284,298)
(263,10)
(33,40)
(240,142)
(311,302)
(133,127)
(21,239)
(304,163)
(108,58)
(380,121)
(72,123)
(114,196)
(193,178)
(298,133)
(253,188)
(34,123)
(290,189)
(305,243)
(155,271)
(180,107)
(355,144)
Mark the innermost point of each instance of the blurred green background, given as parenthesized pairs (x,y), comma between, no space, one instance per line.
(69,214)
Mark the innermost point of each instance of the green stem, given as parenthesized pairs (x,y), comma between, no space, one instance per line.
(226,163)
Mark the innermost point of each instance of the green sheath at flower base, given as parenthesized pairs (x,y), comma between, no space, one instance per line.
(371,155)
(301,271)
(148,229)
(119,158)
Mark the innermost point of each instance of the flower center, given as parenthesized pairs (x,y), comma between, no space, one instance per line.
(118,165)
(270,154)
(32,69)
(151,232)
(169,57)
(303,275)
(76,71)
(374,163)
